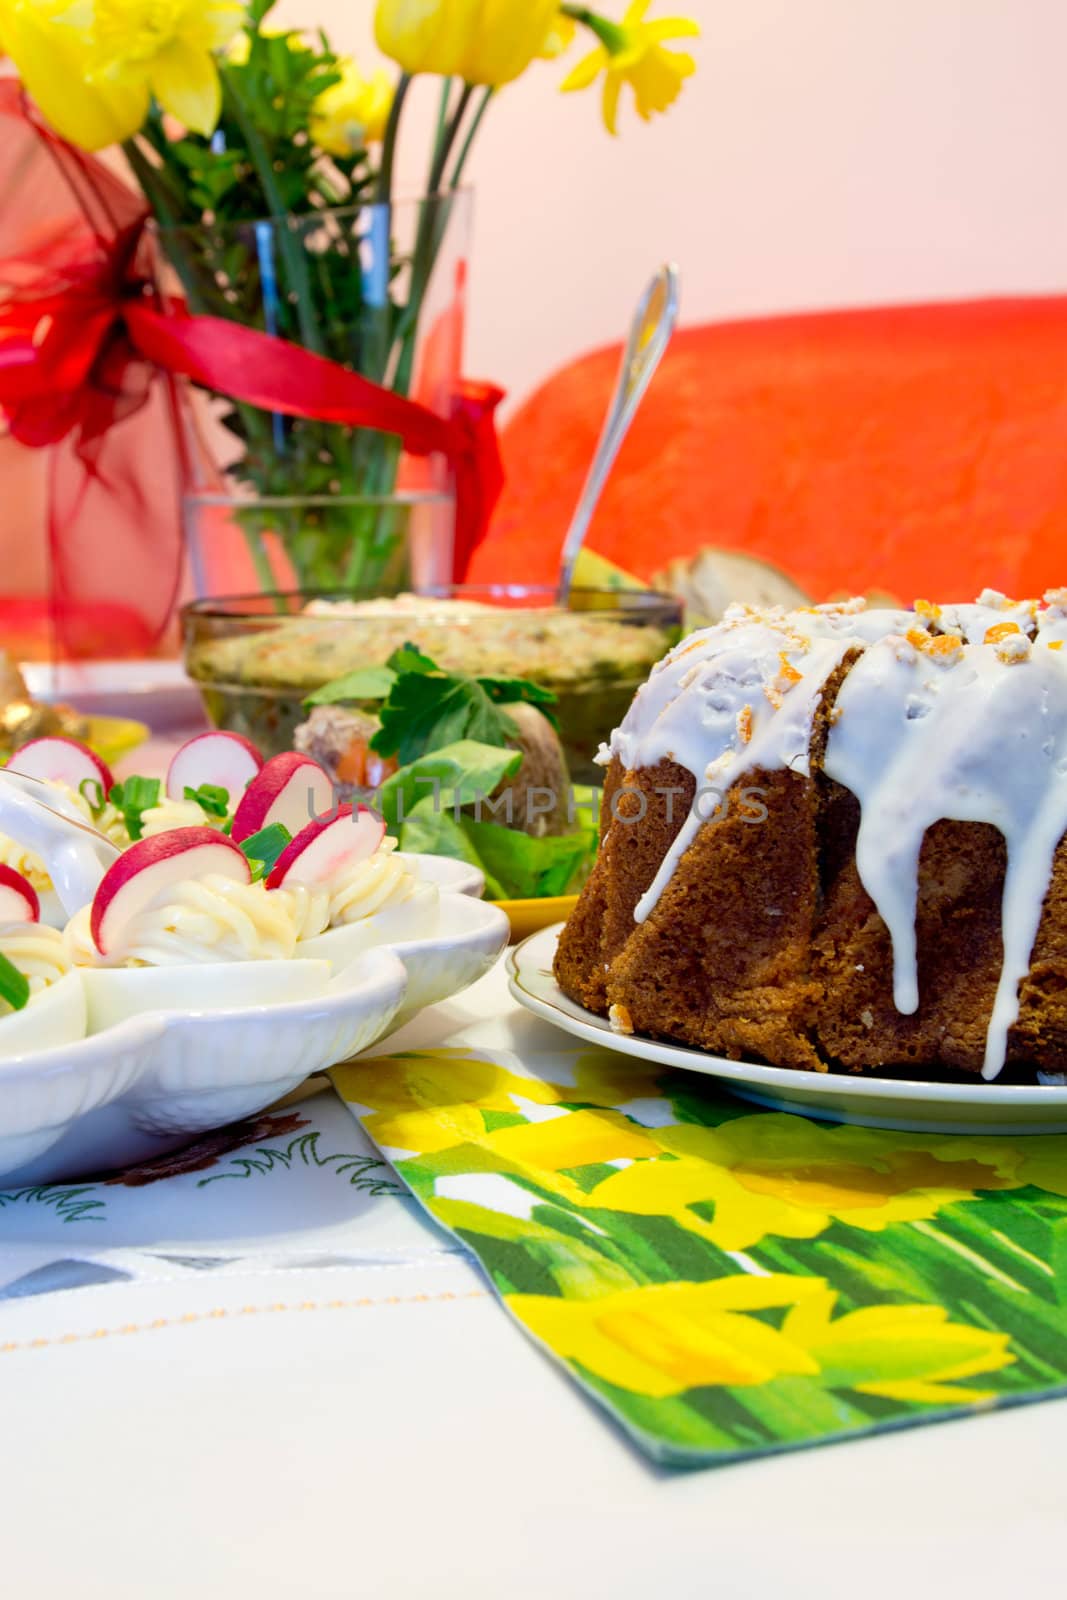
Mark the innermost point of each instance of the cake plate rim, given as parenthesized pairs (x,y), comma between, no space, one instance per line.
(894,1103)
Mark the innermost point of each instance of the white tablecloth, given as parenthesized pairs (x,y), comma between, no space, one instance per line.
(367,1421)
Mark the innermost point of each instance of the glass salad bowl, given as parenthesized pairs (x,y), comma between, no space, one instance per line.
(256,658)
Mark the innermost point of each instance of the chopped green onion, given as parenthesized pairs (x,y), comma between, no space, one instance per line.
(264,848)
(133,798)
(210,798)
(92,792)
(14,985)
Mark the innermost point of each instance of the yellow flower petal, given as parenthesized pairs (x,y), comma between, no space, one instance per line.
(586,71)
(576,1139)
(185,81)
(610,109)
(52,63)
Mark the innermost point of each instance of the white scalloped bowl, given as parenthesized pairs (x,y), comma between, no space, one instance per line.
(52,1018)
(114,994)
(153,1082)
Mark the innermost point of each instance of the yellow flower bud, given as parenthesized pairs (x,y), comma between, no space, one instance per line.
(481,41)
(353,113)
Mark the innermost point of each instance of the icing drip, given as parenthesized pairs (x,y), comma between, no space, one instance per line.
(746,700)
(978,736)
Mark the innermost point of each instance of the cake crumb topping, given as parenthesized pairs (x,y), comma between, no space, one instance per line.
(944,648)
(995,600)
(1016,647)
(620,1020)
(744,724)
(1000,630)
(927,609)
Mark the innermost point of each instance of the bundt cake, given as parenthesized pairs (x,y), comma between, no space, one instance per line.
(833,838)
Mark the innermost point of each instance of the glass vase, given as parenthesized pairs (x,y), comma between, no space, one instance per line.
(285,502)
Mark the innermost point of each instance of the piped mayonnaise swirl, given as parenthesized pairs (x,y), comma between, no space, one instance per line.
(210,919)
(359,890)
(39,953)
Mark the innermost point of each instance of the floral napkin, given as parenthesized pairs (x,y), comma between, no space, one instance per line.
(727,1281)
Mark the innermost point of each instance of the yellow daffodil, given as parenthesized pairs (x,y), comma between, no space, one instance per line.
(481,41)
(636,56)
(429,1100)
(93,66)
(353,113)
(911,1353)
(662,1339)
(783,1176)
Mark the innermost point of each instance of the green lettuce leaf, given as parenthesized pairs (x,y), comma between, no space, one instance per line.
(459,774)
(522,868)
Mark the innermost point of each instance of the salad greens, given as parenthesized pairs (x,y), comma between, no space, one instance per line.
(451,736)
(262,849)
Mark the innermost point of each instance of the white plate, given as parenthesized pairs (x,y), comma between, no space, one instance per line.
(152,1083)
(832,1097)
(155,691)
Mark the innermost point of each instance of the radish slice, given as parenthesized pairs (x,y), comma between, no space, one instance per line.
(226,760)
(290,789)
(150,867)
(18,897)
(327,846)
(57,760)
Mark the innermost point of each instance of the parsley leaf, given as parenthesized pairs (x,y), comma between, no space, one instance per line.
(425,711)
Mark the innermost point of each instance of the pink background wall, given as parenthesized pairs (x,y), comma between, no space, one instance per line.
(831,152)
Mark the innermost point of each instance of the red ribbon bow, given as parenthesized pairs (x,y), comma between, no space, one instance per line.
(84,343)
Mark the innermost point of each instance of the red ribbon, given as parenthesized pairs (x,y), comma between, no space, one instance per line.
(84,340)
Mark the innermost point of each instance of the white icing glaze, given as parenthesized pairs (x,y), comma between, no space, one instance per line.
(980,739)
(990,610)
(924,730)
(732,699)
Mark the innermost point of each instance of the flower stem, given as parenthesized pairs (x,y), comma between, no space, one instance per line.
(291,248)
(611,35)
(472,132)
(384,191)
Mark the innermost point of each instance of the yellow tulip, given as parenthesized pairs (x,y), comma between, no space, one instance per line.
(637,57)
(353,113)
(93,67)
(481,41)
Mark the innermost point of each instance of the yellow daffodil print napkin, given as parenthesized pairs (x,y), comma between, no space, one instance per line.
(729,1281)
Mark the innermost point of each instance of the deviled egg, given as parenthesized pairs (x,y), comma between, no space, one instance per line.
(81,783)
(179,924)
(42,1002)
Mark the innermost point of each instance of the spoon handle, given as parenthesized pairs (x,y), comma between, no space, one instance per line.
(650,334)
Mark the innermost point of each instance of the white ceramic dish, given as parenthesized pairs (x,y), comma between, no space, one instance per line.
(56,1016)
(987,1108)
(155,1081)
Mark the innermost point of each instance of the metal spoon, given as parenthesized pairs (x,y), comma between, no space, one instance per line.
(76,854)
(650,334)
